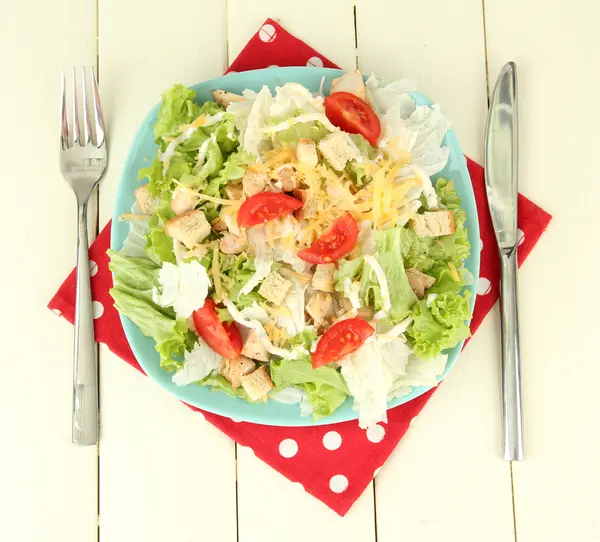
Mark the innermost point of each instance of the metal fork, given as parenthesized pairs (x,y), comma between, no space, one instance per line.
(83,162)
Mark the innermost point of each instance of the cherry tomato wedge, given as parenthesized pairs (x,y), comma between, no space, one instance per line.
(265,207)
(351,114)
(341,339)
(335,243)
(223,338)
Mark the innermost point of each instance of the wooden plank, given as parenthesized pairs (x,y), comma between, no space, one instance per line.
(332,33)
(446,479)
(48,489)
(557,487)
(165,473)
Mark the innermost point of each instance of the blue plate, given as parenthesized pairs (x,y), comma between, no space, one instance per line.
(144,148)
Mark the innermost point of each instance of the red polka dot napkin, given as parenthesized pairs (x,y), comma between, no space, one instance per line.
(334,463)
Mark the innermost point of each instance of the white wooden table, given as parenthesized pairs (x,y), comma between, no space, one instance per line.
(161,473)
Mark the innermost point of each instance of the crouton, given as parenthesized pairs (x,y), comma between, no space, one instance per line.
(433,223)
(320,307)
(184,200)
(350,82)
(274,288)
(232,244)
(309,207)
(145,201)
(252,348)
(189,228)
(323,277)
(234,191)
(224,98)
(257,384)
(306,152)
(287,177)
(254,183)
(235,369)
(336,150)
(419,282)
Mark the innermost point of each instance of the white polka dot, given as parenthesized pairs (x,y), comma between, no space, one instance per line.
(315,61)
(338,483)
(93,268)
(247,448)
(97,309)
(520,236)
(231,71)
(412,421)
(484,286)
(332,440)
(236,420)
(480,245)
(298,485)
(377,470)
(57,311)
(267,33)
(288,448)
(375,433)
(201,415)
(273,66)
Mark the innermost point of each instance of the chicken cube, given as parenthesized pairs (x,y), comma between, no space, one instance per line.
(253,348)
(287,177)
(309,207)
(188,228)
(254,183)
(257,384)
(320,307)
(433,223)
(274,288)
(306,152)
(219,225)
(145,201)
(419,282)
(235,369)
(350,82)
(323,278)
(184,200)
(234,191)
(232,244)
(336,150)
(224,98)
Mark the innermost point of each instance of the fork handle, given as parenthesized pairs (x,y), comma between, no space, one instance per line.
(85,373)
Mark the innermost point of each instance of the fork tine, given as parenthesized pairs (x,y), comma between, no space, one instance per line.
(75,110)
(64,119)
(98,118)
(87,131)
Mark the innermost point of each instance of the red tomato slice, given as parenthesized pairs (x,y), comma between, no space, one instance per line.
(265,207)
(351,114)
(223,338)
(340,340)
(335,243)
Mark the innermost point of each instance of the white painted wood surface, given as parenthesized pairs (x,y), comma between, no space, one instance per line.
(163,473)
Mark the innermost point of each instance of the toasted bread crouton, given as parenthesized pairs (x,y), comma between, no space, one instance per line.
(419,282)
(224,98)
(323,278)
(232,244)
(253,348)
(189,228)
(336,150)
(350,82)
(306,152)
(287,177)
(309,207)
(145,201)
(433,223)
(320,307)
(254,183)
(234,191)
(257,384)
(274,288)
(236,368)
(184,199)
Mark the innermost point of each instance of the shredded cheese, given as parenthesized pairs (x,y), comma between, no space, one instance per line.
(220,201)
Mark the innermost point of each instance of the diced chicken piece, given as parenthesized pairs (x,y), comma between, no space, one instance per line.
(419,282)
(232,244)
(234,191)
(320,307)
(345,305)
(235,369)
(224,98)
(254,183)
(274,288)
(253,348)
(309,207)
(306,152)
(350,82)
(189,228)
(146,202)
(365,313)
(287,177)
(219,225)
(257,384)
(336,150)
(184,200)
(433,223)
(323,277)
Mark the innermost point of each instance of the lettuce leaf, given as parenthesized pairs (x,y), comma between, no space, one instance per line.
(302,130)
(218,382)
(177,108)
(159,246)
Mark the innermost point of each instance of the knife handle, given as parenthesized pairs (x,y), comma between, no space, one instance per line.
(511,369)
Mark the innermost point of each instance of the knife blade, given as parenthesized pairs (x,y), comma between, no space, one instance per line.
(501,183)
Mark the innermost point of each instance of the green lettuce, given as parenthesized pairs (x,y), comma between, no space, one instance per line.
(218,382)
(159,246)
(302,130)
(177,108)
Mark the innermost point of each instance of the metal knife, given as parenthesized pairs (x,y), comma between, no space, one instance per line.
(501,183)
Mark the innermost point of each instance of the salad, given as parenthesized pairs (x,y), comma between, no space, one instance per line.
(292,246)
